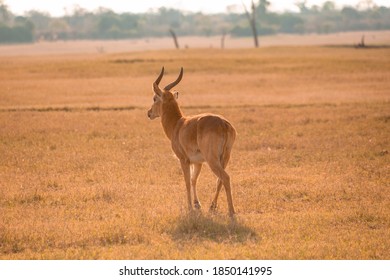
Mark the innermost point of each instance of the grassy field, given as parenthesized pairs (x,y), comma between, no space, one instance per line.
(85,175)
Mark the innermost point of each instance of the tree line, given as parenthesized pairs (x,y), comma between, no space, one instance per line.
(105,24)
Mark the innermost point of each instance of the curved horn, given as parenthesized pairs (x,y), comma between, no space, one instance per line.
(171,85)
(160,76)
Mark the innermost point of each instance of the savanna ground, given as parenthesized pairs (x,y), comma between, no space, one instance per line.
(85,175)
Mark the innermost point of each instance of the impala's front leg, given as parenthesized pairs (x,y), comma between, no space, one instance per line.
(185,165)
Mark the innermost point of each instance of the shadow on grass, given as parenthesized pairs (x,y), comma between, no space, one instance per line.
(199,226)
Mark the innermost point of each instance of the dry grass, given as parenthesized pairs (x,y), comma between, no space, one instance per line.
(85,175)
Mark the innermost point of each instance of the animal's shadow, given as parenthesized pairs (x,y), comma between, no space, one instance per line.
(199,226)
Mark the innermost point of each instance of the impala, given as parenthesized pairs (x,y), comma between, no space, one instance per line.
(195,140)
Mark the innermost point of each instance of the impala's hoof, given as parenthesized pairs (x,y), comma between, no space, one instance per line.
(213,207)
(233,219)
(197,205)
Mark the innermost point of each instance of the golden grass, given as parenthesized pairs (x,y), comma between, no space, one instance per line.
(85,175)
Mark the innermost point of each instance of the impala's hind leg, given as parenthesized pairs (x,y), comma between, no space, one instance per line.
(216,145)
(195,171)
(225,179)
(218,167)
(213,205)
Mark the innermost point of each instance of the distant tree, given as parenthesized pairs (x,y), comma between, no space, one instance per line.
(328,6)
(349,18)
(223,39)
(350,13)
(262,6)
(174,37)
(252,21)
(40,20)
(302,5)
(366,4)
(21,32)
(5,14)
(109,25)
(291,23)
(59,29)
(171,16)
(362,43)
(256,19)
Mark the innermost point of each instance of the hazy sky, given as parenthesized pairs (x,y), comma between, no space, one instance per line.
(59,7)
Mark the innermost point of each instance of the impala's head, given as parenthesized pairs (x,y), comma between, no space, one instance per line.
(162,95)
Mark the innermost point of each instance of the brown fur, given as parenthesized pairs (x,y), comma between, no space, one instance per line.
(195,140)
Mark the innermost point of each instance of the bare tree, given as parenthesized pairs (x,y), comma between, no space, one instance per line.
(361,44)
(223,39)
(173,34)
(252,21)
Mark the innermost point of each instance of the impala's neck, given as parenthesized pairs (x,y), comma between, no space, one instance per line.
(171,114)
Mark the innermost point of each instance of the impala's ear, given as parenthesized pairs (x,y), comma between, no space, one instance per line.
(176,94)
(157,89)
